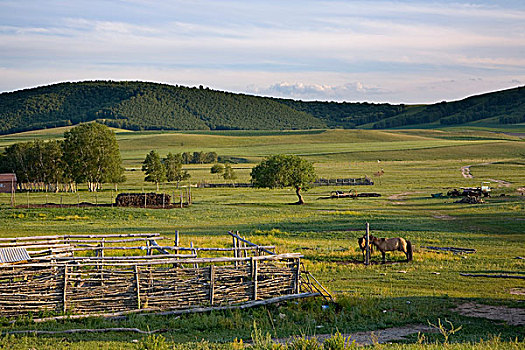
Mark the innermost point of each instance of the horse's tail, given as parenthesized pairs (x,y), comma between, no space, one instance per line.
(409,251)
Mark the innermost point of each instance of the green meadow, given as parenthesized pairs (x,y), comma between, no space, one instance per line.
(416,163)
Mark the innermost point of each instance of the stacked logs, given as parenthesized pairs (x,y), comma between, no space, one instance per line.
(143,200)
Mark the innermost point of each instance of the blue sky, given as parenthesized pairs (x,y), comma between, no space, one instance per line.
(376,51)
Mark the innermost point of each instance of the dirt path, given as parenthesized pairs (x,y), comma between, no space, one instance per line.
(512,316)
(369,338)
(465,171)
(501,182)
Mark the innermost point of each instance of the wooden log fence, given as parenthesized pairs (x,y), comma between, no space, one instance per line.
(165,282)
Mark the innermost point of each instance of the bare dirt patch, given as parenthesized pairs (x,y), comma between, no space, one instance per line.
(441,216)
(517,291)
(401,196)
(512,316)
(371,337)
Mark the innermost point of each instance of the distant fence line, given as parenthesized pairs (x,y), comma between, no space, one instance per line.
(165,198)
(365,181)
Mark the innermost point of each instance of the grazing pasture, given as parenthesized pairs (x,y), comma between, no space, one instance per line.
(416,163)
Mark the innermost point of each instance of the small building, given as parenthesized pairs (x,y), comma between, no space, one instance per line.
(7,183)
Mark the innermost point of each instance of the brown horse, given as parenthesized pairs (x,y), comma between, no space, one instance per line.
(361,241)
(392,244)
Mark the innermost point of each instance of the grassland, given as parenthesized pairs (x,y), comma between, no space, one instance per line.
(416,163)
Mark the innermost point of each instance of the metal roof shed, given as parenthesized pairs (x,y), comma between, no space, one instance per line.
(13,255)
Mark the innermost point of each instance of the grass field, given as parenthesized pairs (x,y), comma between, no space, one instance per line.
(416,163)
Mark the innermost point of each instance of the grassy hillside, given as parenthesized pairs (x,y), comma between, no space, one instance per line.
(151,106)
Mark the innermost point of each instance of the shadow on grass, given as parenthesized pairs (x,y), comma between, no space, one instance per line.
(349,314)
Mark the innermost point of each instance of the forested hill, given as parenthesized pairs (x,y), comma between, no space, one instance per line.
(141,105)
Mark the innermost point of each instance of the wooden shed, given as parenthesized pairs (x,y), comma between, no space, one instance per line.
(7,183)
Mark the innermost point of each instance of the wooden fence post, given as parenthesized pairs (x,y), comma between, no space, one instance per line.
(194,251)
(137,286)
(176,244)
(367,244)
(212,284)
(234,239)
(297,277)
(177,241)
(64,295)
(254,277)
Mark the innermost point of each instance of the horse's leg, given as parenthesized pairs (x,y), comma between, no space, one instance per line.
(404,250)
(384,256)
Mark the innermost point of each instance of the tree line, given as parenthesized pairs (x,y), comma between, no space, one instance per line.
(151,106)
(169,169)
(88,154)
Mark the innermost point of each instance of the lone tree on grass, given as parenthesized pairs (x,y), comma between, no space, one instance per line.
(154,169)
(281,170)
(174,171)
(229,173)
(92,155)
(217,169)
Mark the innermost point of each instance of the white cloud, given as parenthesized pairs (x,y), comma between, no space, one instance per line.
(349,92)
(301,49)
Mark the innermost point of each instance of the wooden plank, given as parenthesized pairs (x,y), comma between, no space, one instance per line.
(452,249)
(96,247)
(250,243)
(189,261)
(491,276)
(246,305)
(83,330)
(117,258)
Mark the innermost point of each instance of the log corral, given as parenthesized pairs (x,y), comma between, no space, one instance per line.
(71,275)
(142,200)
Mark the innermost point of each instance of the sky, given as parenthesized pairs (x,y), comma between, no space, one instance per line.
(356,51)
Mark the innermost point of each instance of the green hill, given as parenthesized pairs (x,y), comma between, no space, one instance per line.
(142,106)
(502,107)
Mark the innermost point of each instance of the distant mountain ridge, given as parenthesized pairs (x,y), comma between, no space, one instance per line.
(153,106)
